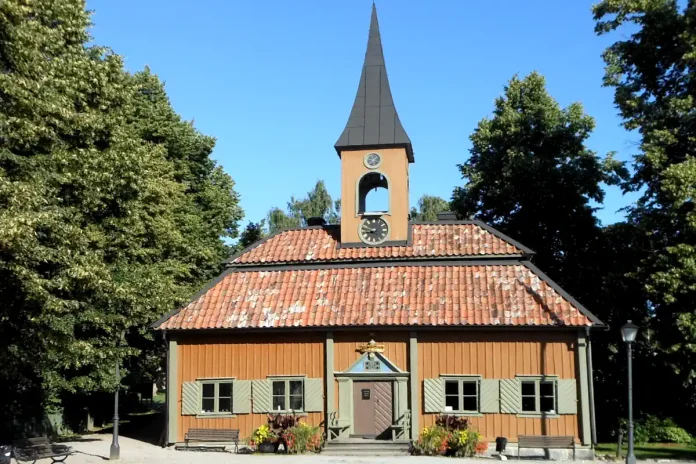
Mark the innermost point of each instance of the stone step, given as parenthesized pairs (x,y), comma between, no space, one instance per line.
(366,448)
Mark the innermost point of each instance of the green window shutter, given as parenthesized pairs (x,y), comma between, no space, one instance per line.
(190,398)
(510,399)
(567,396)
(433,395)
(314,395)
(241,396)
(261,395)
(490,396)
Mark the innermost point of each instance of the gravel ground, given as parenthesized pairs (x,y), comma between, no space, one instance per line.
(92,449)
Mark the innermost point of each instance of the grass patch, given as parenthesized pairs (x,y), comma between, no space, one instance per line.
(652,451)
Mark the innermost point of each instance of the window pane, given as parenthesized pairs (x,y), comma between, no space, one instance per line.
(470,388)
(528,404)
(279,387)
(452,402)
(546,388)
(208,390)
(296,403)
(295,387)
(208,405)
(225,405)
(451,387)
(470,403)
(528,388)
(279,403)
(546,404)
(225,389)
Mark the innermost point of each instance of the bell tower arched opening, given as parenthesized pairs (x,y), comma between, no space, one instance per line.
(372,193)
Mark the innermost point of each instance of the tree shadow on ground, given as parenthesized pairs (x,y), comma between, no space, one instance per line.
(142,427)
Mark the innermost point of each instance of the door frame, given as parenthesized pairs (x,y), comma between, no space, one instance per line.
(399,381)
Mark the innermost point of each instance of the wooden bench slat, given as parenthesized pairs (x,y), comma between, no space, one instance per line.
(212,435)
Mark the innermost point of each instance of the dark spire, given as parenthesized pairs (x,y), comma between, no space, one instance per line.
(373,121)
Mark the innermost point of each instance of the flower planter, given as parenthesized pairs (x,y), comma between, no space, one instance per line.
(267,447)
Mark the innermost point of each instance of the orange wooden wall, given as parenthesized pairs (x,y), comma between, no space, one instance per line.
(247,357)
(499,355)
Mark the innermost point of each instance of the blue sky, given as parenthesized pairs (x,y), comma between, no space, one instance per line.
(274,81)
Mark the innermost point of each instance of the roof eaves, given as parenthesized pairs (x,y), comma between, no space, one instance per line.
(504,237)
(597,323)
(504,260)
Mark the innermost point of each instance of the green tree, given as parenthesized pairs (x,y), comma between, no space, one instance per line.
(317,203)
(102,227)
(428,208)
(531,176)
(252,233)
(652,71)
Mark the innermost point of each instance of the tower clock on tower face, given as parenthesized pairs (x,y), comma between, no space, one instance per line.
(373,230)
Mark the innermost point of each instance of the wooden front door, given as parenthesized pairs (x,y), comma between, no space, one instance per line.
(372,403)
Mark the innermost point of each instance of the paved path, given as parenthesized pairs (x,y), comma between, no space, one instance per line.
(94,449)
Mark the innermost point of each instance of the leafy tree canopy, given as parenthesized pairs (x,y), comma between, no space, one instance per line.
(531,175)
(111,211)
(428,208)
(652,70)
(317,203)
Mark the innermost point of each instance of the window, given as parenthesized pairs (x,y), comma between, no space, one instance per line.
(538,396)
(462,395)
(288,395)
(216,397)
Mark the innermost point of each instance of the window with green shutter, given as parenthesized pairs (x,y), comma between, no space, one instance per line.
(216,396)
(538,395)
(462,395)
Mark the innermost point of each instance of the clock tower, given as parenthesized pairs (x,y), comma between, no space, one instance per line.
(375,153)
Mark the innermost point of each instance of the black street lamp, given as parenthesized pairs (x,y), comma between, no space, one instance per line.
(629,333)
(115,450)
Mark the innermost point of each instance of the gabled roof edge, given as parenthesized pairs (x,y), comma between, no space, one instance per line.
(210,284)
(595,320)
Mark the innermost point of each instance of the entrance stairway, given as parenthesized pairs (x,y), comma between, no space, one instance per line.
(366,447)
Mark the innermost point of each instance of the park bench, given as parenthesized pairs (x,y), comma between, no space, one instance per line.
(213,436)
(545,442)
(33,449)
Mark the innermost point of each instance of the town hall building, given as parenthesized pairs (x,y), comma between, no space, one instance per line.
(376,326)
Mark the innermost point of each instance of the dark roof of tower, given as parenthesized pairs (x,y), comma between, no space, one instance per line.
(373,121)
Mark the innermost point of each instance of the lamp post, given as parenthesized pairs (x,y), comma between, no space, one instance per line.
(628,333)
(115,450)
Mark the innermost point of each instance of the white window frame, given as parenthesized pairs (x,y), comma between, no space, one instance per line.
(538,380)
(287,394)
(216,398)
(460,380)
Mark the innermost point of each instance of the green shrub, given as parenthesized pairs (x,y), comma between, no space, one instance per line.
(652,429)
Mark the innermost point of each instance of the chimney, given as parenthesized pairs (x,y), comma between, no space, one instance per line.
(447,216)
(316,221)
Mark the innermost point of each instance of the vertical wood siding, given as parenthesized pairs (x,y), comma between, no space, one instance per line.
(247,357)
(346,346)
(500,356)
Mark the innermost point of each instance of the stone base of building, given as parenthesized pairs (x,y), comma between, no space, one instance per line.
(582,453)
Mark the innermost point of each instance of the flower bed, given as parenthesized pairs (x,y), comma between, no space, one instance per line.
(287,430)
(450,436)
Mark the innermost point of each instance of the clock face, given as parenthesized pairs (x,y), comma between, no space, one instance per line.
(372,160)
(374,230)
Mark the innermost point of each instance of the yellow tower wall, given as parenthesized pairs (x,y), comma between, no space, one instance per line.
(395,167)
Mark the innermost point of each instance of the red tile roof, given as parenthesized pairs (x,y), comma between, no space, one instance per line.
(503,293)
(320,244)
